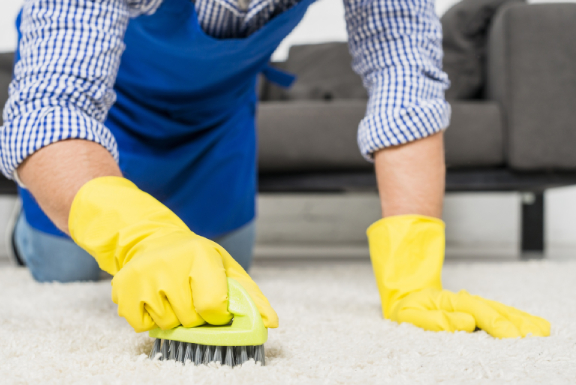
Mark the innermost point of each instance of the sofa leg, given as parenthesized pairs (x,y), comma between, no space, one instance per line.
(532,225)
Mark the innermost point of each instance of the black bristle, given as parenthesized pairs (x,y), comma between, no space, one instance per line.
(155,348)
(204,354)
(172,350)
(180,352)
(207,355)
(198,355)
(250,352)
(217,354)
(189,354)
(242,356)
(229,359)
(164,350)
(259,355)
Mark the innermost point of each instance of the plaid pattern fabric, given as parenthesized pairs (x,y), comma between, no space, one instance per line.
(397,49)
(70,54)
(225,19)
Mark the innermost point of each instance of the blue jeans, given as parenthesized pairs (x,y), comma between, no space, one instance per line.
(51,258)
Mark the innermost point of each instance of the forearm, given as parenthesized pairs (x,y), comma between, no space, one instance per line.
(55,173)
(411,177)
(54,137)
(397,49)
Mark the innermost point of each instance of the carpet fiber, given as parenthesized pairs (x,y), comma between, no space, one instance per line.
(331,332)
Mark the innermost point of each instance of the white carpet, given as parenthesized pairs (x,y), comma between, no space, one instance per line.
(331,332)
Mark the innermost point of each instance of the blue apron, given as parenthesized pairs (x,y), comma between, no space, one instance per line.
(184,118)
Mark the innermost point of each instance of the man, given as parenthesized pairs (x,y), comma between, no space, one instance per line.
(182,129)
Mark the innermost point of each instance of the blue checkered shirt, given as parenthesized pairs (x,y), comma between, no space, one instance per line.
(71,50)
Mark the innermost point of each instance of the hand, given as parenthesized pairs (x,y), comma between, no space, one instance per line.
(442,310)
(164,274)
(407,253)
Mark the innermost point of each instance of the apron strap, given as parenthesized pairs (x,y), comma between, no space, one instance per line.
(281,78)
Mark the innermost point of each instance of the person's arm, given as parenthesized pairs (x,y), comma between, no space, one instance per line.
(411,177)
(397,49)
(55,142)
(53,136)
(55,173)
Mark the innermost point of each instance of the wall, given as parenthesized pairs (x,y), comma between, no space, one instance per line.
(8,11)
(335,224)
(330,13)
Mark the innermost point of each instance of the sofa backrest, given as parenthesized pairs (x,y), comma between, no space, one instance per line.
(323,71)
(465,28)
(532,75)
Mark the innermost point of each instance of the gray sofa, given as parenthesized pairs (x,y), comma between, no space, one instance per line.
(519,135)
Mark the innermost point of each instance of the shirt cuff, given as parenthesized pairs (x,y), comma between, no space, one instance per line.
(397,115)
(30,132)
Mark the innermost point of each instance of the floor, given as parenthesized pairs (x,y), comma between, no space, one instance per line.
(331,331)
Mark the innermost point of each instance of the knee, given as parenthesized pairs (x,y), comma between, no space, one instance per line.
(240,244)
(64,270)
(53,259)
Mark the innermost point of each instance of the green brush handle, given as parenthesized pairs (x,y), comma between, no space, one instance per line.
(246,328)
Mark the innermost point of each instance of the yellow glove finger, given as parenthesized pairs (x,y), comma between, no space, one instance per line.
(163,315)
(171,285)
(525,322)
(177,309)
(209,284)
(157,311)
(133,311)
(487,318)
(145,306)
(156,286)
(433,310)
(438,320)
(234,270)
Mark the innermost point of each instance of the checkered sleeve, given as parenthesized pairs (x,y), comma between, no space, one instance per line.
(396,47)
(63,83)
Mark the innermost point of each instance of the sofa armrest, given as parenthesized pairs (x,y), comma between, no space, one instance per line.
(532,74)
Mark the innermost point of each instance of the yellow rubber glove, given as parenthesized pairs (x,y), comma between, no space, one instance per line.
(164,274)
(407,254)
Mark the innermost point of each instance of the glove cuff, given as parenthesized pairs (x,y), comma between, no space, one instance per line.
(407,253)
(110,215)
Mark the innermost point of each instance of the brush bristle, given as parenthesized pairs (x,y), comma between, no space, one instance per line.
(204,354)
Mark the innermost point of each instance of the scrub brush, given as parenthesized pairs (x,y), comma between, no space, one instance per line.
(231,344)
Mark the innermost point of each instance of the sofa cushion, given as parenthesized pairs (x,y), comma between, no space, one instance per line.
(297,136)
(475,137)
(324,72)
